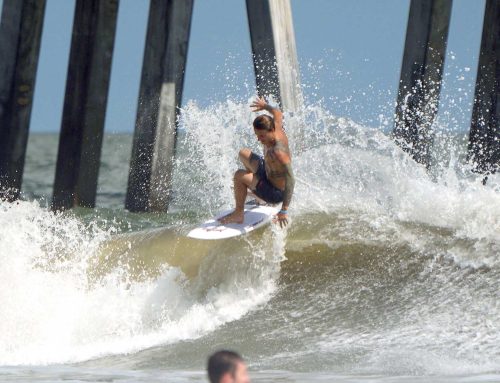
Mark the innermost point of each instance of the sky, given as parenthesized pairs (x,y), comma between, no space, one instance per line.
(349,51)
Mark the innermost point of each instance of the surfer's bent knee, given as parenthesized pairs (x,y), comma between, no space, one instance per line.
(245,153)
(238,174)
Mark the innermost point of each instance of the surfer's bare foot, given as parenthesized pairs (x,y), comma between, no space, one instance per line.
(234,217)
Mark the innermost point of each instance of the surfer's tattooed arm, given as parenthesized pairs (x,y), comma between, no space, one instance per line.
(280,145)
(289,186)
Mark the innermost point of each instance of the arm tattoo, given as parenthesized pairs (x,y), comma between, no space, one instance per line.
(289,186)
(282,146)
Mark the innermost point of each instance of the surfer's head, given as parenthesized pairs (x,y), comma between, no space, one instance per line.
(227,366)
(264,122)
(263,127)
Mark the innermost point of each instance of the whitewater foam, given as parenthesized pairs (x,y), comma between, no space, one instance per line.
(54,310)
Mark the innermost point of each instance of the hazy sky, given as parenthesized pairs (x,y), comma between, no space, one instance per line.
(350,53)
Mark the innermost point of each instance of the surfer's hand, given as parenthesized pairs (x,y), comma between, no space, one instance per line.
(259,104)
(282,219)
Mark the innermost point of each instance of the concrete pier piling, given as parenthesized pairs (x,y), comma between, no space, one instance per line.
(153,152)
(20,36)
(484,138)
(421,76)
(85,102)
(274,52)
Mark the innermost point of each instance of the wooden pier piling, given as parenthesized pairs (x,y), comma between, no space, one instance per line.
(484,138)
(153,152)
(85,102)
(274,52)
(20,36)
(421,76)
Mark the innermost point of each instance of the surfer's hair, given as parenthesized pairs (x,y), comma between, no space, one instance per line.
(264,122)
(222,362)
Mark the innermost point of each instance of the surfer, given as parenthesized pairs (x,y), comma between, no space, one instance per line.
(270,177)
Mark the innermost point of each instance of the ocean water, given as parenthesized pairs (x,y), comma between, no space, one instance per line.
(387,273)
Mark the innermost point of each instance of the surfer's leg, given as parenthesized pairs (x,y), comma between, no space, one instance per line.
(250,160)
(242,181)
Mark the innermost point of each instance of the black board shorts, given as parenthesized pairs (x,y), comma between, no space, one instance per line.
(265,189)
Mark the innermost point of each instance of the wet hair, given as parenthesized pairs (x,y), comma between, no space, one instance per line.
(264,122)
(222,362)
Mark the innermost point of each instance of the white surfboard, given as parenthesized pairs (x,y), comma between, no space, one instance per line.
(255,216)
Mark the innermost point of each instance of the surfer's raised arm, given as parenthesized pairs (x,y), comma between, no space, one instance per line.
(261,104)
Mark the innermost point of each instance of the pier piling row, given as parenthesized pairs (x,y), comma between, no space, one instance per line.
(421,76)
(276,73)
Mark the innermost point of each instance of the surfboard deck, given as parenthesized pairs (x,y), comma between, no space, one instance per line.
(255,216)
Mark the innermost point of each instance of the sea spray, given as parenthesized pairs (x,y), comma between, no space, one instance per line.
(342,166)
